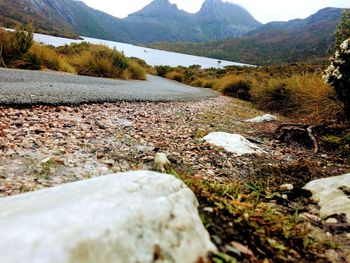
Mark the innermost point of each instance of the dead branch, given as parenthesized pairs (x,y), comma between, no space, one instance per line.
(313,138)
(297,133)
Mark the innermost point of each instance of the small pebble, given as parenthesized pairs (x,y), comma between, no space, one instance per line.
(286,187)
(209,209)
(331,221)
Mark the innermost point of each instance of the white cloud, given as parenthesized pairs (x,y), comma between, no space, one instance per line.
(264,11)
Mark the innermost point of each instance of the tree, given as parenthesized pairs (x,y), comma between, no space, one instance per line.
(343,29)
(219,63)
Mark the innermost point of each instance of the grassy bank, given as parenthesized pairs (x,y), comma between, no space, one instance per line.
(18,50)
(293,90)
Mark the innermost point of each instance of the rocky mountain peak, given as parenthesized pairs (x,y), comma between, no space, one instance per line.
(158,7)
(218,10)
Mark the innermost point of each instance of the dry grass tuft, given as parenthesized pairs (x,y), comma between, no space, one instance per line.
(101,61)
(174,75)
(235,86)
(41,57)
(299,94)
(136,71)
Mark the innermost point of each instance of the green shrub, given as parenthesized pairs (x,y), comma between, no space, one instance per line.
(14,44)
(338,75)
(162,70)
(74,48)
(22,39)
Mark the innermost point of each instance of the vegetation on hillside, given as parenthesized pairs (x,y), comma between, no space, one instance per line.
(18,50)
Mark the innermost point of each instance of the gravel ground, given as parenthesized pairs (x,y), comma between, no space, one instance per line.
(22,87)
(43,146)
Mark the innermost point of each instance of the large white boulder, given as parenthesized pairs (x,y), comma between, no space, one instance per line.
(234,143)
(129,217)
(331,195)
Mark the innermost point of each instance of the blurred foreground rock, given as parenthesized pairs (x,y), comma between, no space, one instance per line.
(332,194)
(129,217)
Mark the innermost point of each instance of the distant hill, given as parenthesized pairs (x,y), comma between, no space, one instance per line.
(158,21)
(274,43)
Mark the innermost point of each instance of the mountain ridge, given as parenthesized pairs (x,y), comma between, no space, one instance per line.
(158,21)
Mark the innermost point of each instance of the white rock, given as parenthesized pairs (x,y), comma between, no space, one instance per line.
(126,217)
(263,118)
(331,199)
(234,143)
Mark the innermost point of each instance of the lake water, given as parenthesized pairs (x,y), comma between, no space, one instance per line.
(152,57)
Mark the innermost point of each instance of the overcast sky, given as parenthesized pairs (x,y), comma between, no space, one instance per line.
(263,10)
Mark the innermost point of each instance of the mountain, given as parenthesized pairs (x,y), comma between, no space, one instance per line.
(276,42)
(158,21)
(162,20)
(221,20)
